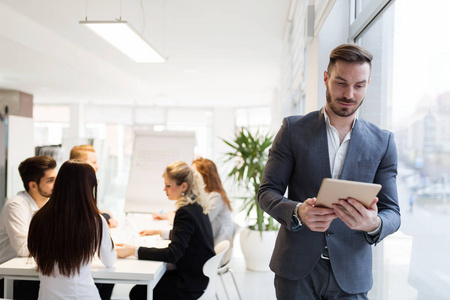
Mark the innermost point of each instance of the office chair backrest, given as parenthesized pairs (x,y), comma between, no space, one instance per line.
(210,269)
(227,257)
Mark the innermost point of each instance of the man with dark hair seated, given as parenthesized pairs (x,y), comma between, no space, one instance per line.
(38,174)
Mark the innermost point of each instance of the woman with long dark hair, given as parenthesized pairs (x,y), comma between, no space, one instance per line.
(67,232)
(191,239)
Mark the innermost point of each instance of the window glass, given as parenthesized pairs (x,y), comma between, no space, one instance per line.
(111,130)
(409,95)
(379,40)
(421,119)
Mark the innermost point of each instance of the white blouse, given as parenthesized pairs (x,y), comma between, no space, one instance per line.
(221,218)
(78,286)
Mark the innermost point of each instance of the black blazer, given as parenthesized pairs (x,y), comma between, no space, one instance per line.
(192,244)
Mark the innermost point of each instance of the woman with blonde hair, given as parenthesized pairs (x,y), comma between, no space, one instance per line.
(191,239)
(220,213)
(67,232)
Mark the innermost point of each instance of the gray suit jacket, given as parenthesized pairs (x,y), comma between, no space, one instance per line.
(299,160)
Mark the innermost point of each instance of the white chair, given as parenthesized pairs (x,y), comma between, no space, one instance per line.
(210,270)
(226,267)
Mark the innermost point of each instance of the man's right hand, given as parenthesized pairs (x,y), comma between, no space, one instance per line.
(316,218)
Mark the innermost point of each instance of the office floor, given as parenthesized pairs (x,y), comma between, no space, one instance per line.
(252,285)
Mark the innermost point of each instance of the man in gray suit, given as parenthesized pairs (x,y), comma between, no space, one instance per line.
(323,253)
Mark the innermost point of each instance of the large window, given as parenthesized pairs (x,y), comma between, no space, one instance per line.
(111,130)
(410,95)
(421,114)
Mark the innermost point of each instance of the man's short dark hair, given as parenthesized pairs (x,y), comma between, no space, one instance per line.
(34,168)
(349,53)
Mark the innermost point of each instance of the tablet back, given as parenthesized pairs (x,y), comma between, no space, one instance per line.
(332,190)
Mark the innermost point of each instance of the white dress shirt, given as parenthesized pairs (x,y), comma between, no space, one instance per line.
(15,221)
(337,150)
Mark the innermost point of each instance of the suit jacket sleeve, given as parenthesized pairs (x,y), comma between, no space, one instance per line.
(388,208)
(276,177)
(180,236)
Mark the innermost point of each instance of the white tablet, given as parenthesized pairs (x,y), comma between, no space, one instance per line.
(332,190)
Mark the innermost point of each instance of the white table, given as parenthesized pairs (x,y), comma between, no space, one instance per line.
(128,270)
(132,224)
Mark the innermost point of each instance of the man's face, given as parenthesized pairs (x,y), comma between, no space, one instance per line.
(346,87)
(45,186)
(91,159)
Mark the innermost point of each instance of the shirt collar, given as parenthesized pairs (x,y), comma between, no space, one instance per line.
(327,118)
(30,199)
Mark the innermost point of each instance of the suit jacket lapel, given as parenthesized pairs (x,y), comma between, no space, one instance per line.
(357,143)
(319,136)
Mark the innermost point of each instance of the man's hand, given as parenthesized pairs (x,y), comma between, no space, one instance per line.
(316,218)
(356,216)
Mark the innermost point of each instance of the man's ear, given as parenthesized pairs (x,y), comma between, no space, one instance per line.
(325,77)
(32,185)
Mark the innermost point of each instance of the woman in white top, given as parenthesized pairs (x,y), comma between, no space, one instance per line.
(220,213)
(67,232)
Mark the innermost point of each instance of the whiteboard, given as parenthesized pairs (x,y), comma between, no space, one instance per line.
(152,152)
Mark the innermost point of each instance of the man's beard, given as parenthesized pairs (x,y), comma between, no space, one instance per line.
(42,193)
(344,112)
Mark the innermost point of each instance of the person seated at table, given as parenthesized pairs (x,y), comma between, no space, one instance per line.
(220,213)
(191,238)
(67,232)
(38,174)
(87,154)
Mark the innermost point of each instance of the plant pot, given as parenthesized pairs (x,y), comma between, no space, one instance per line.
(257,250)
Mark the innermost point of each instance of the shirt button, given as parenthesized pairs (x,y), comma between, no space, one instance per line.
(328,233)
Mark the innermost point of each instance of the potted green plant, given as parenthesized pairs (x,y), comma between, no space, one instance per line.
(249,154)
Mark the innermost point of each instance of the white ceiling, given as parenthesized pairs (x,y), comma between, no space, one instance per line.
(219,53)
